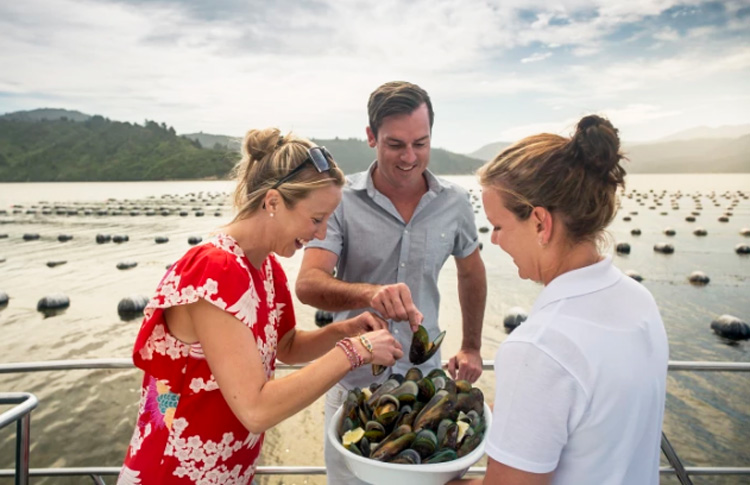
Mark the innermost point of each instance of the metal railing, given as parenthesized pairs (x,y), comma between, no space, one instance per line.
(683,473)
(21,415)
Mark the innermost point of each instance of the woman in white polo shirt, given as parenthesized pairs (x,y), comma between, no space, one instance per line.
(581,383)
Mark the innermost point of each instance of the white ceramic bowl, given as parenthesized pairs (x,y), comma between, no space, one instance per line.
(381,473)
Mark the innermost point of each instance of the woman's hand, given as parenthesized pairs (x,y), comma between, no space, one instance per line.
(385,348)
(362,323)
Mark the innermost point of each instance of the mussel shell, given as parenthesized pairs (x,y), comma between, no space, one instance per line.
(385,388)
(437,371)
(407,392)
(413,374)
(447,434)
(408,457)
(349,412)
(378,369)
(442,456)
(469,443)
(389,419)
(463,385)
(422,348)
(470,401)
(364,446)
(425,443)
(386,403)
(441,406)
(374,431)
(426,389)
(354,449)
(391,447)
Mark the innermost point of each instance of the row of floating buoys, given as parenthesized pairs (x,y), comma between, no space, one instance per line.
(727,326)
(128,308)
(105,238)
(667,248)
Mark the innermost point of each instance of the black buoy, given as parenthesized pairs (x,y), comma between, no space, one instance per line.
(723,219)
(132,307)
(323,318)
(126,264)
(481,245)
(3,236)
(120,239)
(742,249)
(627,219)
(690,219)
(730,327)
(745,231)
(664,248)
(30,237)
(3,298)
(52,264)
(64,237)
(103,238)
(193,240)
(698,278)
(700,232)
(161,239)
(623,248)
(635,232)
(57,301)
(634,274)
(484,229)
(515,317)
(669,231)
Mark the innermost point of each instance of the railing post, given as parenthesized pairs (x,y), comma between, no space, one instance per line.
(23,434)
(674,460)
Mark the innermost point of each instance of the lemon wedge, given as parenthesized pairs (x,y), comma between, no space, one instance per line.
(462,427)
(352,436)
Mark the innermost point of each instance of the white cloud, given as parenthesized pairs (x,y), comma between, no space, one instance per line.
(536,57)
(311,68)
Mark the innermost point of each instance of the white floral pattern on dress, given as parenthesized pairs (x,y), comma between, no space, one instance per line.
(198,460)
(128,477)
(198,384)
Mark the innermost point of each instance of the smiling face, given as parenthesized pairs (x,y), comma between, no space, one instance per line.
(403,149)
(306,221)
(520,239)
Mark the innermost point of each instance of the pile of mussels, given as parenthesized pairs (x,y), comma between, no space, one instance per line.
(413,419)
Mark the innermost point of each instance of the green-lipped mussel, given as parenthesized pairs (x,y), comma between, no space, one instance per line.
(415,419)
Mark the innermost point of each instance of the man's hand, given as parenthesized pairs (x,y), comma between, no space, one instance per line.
(466,365)
(394,302)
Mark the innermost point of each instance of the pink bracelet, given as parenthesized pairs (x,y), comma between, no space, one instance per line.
(355,360)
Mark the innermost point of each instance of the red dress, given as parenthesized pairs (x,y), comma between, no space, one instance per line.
(186,433)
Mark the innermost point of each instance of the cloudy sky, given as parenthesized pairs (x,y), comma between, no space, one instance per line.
(496,70)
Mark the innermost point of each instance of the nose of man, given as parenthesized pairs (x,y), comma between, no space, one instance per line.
(409,155)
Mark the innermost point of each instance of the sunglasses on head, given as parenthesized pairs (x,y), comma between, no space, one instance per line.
(318,156)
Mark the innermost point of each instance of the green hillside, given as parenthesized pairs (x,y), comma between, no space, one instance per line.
(44,149)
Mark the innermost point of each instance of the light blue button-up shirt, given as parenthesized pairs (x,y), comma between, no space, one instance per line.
(375,245)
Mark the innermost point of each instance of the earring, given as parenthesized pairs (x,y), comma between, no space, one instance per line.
(271,214)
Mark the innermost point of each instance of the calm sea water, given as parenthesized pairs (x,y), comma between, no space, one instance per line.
(85,418)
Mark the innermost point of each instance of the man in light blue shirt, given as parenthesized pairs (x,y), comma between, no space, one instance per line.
(394,229)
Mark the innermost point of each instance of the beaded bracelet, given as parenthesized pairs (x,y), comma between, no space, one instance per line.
(355,360)
(366,342)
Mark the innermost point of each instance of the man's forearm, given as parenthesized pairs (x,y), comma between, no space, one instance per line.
(472,296)
(321,290)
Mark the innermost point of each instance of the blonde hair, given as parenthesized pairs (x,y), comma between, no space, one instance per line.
(576,177)
(267,156)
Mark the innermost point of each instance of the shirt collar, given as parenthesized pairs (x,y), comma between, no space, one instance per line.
(579,282)
(434,184)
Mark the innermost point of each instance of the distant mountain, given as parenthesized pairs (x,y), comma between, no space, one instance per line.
(490,151)
(216,141)
(49,114)
(100,149)
(355,155)
(707,132)
(690,156)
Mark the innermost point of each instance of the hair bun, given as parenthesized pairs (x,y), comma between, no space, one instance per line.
(596,144)
(259,143)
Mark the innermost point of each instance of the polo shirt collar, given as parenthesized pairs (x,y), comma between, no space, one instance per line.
(581,281)
(434,184)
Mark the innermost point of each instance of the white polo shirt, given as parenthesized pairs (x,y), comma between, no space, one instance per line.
(581,384)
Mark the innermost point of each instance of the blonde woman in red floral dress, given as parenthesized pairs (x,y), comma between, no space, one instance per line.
(223,314)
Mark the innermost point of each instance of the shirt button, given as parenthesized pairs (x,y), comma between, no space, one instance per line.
(406,231)
(396,332)
(403,265)
(442,235)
